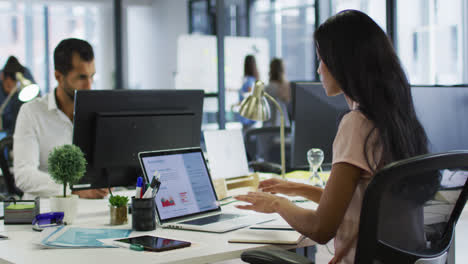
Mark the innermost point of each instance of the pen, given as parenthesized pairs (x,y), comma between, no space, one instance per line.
(156,175)
(143,188)
(135,247)
(156,188)
(138,187)
(154,184)
(148,193)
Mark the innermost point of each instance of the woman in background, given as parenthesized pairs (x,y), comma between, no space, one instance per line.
(8,83)
(250,77)
(279,88)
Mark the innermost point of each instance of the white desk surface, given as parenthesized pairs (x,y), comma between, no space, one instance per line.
(205,248)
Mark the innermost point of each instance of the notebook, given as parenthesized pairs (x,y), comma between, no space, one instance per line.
(78,237)
(186,197)
(278,224)
(258,236)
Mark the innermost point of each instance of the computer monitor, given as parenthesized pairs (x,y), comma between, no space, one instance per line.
(112,126)
(443,113)
(315,118)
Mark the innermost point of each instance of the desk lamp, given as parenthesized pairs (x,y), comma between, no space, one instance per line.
(256,107)
(27,91)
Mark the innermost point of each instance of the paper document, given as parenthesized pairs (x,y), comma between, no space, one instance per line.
(259,236)
(279,224)
(76,237)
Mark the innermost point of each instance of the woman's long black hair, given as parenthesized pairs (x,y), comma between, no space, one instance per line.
(250,67)
(361,58)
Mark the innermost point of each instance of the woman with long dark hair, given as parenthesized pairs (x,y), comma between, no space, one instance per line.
(250,77)
(8,84)
(358,60)
(278,87)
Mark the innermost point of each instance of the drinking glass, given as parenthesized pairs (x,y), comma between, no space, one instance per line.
(315,158)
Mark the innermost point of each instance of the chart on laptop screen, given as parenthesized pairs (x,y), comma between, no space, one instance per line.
(185,184)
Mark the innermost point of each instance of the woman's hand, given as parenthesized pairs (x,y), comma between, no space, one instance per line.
(260,202)
(279,186)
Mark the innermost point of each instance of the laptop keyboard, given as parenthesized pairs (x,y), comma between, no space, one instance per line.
(211,219)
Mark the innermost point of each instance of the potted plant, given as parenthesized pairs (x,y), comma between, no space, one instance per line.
(66,166)
(118,209)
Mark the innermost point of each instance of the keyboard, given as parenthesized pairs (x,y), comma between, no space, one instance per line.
(211,219)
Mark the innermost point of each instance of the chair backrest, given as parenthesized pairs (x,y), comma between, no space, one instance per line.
(410,209)
(263,144)
(6,161)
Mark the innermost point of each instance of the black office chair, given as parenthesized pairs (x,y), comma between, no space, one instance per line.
(6,162)
(263,148)
(409,211)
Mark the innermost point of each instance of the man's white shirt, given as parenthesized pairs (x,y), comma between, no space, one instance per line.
(40,126)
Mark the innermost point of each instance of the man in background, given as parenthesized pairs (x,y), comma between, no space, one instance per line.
(8,82)
(47,122)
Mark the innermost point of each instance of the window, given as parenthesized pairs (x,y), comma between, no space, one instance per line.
(376,9)
(202,16)
(203,22)
(31,31)
(431,38)
(22,36)
(288,25)
(67,21)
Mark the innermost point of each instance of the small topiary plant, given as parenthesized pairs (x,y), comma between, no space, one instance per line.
(67,165)
(118,201)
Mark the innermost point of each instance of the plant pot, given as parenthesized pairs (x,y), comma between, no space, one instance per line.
(118,215)
(68,205)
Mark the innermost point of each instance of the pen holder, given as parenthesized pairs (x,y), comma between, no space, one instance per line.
(143,214)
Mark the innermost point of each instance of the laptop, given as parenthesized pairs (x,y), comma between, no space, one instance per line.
(186,197)
(226,153)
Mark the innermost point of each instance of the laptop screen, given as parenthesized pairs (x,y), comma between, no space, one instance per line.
(186,187)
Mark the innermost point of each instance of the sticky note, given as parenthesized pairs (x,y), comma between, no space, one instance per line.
(20,206)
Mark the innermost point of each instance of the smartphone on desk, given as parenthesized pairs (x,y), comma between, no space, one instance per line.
(152,243)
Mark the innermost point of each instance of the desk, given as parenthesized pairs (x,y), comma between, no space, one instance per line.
(206,247)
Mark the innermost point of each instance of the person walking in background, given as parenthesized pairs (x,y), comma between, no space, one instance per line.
(250,77)
(278,87)
(8,82)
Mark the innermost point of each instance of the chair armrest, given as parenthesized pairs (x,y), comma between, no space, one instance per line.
(273,256)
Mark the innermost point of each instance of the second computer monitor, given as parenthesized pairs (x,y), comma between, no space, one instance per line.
(315,120)
(112,126)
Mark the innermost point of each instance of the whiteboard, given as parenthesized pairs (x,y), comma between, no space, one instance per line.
(197,61)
